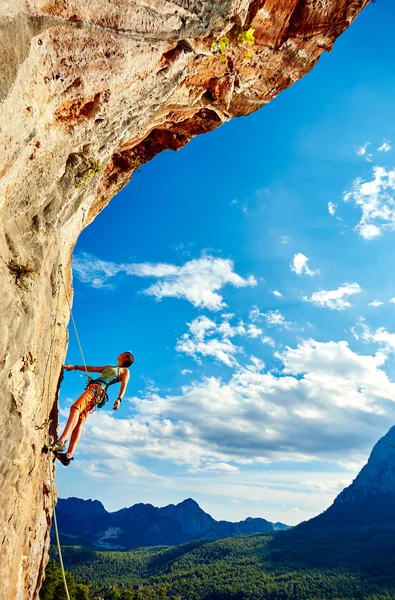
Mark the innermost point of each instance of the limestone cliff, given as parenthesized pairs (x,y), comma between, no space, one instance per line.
(89,91)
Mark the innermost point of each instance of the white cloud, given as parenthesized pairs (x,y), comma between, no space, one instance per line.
(197,281)
(392,300)
(375,198)
(268,340)
(300,267)
(361,151)
(215,467)
(277,294)
(326,403)
(275,319)
(332,208)
(207,338)
(115,465)
(223,350)
(255,314)
(324,486)
(334,299)
(284,239)
(376,303)
(381,336)
(253,331)
(186,371)
(385,147)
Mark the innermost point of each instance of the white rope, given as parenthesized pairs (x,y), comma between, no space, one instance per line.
(48,423)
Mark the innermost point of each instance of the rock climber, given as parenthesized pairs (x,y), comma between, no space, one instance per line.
(95,395)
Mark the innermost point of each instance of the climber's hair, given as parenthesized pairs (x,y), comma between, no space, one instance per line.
(129,360)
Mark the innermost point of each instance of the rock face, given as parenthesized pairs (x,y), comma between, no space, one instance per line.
(146,525)
(371,496)
(89,91)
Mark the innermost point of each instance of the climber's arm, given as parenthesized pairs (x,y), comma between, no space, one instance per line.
(124,377)
(83,368)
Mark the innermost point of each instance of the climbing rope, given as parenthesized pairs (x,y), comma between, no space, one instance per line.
(48,421)
(74,325)
(47,424)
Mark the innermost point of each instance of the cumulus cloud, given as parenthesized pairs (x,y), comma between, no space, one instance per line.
(253,331)
(255,314)
(197,281)
(332,208)
(376,303)
(334,299)
(376,200)
(380,336)
(277,294)
(325,402)
(300,267)
(275,319)
(385,147)
(361,151)
(208,338)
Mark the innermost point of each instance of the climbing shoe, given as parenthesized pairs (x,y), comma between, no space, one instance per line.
(63,458)
(58,447)
(55,447)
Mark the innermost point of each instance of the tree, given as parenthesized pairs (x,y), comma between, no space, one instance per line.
(81,592)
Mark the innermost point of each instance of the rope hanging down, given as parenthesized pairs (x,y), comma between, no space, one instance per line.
(47,422)
(74,325)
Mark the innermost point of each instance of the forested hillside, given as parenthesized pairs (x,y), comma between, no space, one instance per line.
(327,564)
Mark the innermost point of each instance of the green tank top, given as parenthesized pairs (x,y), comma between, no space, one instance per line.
(109,376)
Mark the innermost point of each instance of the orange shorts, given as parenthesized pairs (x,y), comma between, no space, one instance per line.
(86,401)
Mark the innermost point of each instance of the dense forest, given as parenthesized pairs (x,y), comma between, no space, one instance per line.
(327,564)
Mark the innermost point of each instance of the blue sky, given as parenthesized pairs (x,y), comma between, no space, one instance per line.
(252,402)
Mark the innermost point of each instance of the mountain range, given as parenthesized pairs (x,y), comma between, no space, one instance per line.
(147,525)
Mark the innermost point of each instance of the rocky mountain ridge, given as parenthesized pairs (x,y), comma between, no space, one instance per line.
(371,496)
(147,525)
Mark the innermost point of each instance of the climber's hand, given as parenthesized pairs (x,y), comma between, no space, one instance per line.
(117,404)
(69,367)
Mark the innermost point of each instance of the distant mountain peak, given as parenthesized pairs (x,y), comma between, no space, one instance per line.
(371,496)
(189,502)
(378,475)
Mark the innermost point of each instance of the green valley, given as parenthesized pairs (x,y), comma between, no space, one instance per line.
(326,564)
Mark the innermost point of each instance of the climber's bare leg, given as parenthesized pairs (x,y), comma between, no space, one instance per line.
(75,438)
(70,425)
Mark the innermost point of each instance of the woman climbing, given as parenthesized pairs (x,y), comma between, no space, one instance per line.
(94,395)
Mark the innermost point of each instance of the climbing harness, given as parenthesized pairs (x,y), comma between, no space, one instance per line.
(109,376)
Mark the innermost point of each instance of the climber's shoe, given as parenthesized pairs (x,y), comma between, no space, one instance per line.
(58,447)
(64,458)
